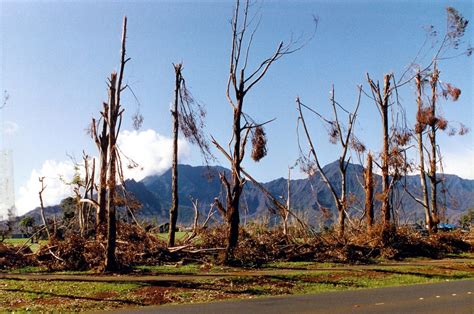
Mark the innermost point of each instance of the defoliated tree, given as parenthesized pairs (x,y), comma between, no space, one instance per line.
(338,133)
(188,116)
(239,83)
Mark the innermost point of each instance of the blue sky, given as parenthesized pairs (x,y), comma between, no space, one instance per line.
(56,56)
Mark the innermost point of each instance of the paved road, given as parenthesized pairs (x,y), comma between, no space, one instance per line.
(447,298)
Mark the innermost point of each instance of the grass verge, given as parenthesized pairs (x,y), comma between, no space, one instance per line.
(276,279)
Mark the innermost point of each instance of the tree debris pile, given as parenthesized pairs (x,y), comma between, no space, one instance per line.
(399,243)
(402,243)
(74,253)
(134,246)
(453,242)
(259,245)
(11,258)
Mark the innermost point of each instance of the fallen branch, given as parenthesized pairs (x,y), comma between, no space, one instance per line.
(205,250)
(178,248)
(54,255)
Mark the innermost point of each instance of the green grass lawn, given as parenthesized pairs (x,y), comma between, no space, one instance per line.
(231,283)
(179,235)
(190,269)
(59,296)
(19,242)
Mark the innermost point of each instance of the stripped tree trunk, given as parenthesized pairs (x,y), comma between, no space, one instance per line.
(433,161)
(90,187)
(174,171)
(196,216)
(114,122)
(43,217)
(419,136)
(369,191)
(288,204)
(385,155)
(110,261)
(88,193)
(381,99)
(341,208)
(233,198)
(102,142)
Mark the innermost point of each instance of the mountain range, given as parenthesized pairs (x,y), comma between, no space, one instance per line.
(307,195)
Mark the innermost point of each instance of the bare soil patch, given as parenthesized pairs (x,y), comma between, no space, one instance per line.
(155,294)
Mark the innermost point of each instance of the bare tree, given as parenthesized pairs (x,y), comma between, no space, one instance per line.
(419,128)
(43,217)
(238,85)
(337,134)
(188,115)
(84,190)
(174,167)
(114,121)
(381,98)
(428,121)
(286,212)
(433,159)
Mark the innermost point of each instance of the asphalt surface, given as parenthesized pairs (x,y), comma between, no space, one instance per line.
(447,298)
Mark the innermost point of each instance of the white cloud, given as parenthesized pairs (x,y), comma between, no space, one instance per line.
(150,150)
(55,191)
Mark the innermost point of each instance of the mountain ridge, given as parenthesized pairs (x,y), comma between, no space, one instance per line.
(307,194)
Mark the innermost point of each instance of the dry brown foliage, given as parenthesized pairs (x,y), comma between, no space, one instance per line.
(442,123)
(258,245)
(451,91)
(426,116)
(307,166)
(10,258)
(457,25)
(259,144)
(134,246)
(357,145)
(463,130)
(333,133)
(402,137)
(420,127)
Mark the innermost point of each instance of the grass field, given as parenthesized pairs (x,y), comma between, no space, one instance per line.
(210,283)
(180,235)
(19,242)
